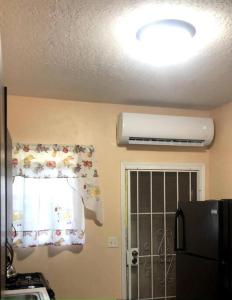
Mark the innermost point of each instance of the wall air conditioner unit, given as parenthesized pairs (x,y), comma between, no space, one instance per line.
(148,129)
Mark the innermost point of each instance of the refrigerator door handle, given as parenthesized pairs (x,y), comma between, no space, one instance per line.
(179,237)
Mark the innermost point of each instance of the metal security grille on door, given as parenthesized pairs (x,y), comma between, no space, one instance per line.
(152,202)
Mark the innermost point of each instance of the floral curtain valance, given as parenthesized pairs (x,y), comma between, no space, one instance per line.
(61,161)
(52,161)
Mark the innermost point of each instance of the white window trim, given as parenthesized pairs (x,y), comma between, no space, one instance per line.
(125,166)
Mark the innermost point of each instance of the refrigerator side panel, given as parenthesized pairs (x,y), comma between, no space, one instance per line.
(2,183)
(224,230)
(230,230)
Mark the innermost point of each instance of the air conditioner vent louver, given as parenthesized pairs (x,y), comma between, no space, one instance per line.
(148,129)
(166,140)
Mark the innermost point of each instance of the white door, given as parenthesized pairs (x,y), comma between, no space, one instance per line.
(152,200)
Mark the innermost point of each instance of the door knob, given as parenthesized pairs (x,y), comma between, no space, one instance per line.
(134,261)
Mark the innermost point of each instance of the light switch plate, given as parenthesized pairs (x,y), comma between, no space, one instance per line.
(112,242)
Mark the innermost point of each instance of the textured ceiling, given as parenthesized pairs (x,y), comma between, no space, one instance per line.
(70,49)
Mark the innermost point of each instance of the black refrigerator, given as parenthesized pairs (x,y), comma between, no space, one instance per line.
(203,244)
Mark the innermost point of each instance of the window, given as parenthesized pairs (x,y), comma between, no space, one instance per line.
(52,185)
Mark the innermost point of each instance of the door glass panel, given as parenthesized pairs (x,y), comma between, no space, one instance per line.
(157,191)
(159,276)
(171,275)
(133,191)
(134,282)
(144,192)
(193,186)
(158,234)
(144,234)
(171,191)
(170,225)
(134,231)
(145,277)
(183,186)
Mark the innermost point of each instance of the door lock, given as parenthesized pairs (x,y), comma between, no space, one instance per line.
(132,257)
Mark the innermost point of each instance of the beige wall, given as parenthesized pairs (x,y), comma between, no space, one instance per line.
(95,271)
(221,154)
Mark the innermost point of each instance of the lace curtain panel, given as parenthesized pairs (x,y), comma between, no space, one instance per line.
(52,185)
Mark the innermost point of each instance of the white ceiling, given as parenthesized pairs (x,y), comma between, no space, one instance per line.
(70,49)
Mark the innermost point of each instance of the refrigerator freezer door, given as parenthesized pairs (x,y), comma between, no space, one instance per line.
(201,228)
(201,279)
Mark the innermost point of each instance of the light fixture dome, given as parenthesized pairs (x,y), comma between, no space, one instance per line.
(167,40)
(167,27)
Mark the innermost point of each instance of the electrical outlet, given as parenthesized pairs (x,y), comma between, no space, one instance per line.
(112,242)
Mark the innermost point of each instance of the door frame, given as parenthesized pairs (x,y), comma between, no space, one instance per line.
(126,166)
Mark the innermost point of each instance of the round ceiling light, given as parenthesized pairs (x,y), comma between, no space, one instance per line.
(166,31)
(168,41)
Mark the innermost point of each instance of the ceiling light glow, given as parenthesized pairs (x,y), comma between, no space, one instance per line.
(163,35)
(168,40)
